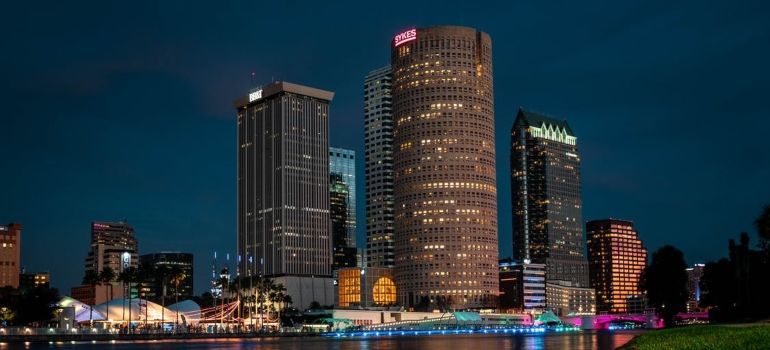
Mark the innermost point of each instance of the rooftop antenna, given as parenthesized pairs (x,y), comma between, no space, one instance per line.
(252,79)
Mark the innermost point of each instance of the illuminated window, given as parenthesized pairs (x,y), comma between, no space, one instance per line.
(384,291)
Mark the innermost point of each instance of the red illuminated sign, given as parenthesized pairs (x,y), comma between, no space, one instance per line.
(406,36)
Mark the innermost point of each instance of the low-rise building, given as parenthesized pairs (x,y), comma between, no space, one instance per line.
(564,299)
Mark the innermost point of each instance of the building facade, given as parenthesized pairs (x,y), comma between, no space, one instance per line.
(110,241)
(10,254)
(522,287)
(444,167)
(378,167)
(113,245)
(565,299)
(171,262)
(545,190)
(283,222)
(365,287)
(694,275)
(32,280)
(616,259)
(342,207)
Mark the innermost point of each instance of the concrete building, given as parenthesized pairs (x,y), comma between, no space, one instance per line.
(157,288)
(10,254)
(365,287)
(522,287)
(565,299)
(378,166)
(616,259)
(342,207)
(283,221)
(444,167)
(545,190)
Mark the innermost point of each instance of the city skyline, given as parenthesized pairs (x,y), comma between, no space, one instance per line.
(143,127)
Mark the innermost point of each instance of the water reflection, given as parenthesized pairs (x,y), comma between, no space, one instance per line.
(583,340)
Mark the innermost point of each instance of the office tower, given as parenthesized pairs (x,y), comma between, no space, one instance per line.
(378,163)
(342,209)
(522,287)
(10,254)
(283,217)
(444,167)
(616,259)
(545,190)
(171,263)
(694,275)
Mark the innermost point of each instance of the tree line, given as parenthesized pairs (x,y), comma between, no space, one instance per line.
(733,289)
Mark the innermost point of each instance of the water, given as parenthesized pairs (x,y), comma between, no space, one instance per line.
(582,340)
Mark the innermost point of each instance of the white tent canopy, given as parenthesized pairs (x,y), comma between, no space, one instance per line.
(190,309)
(140,310)
(82,311)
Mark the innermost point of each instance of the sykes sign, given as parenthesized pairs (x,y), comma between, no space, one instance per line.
(406,37)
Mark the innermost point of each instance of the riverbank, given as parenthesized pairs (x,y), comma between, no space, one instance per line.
(698,337)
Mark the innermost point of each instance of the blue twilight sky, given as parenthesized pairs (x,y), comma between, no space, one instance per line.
(123,109)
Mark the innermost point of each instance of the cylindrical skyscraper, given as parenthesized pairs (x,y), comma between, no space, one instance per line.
(444,168)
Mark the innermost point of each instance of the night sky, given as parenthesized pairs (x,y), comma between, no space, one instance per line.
(114,110)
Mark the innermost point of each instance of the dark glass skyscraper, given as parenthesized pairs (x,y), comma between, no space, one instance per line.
(342,193)
(547,207)
(156,288)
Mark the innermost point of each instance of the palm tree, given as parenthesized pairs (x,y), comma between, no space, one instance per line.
(243,287)
(128,276)
(279,292)
(161,274)
(287,301)
(177,275)
(106,277)
(264,293)
(92,279)
(146,273)
(223,282)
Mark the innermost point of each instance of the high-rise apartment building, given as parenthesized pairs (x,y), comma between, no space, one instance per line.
(378,163)
(545,190)
(616,259)
(113,244)
(172,262)
(342,208)
(10,254)
(283,220)
(444,167)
